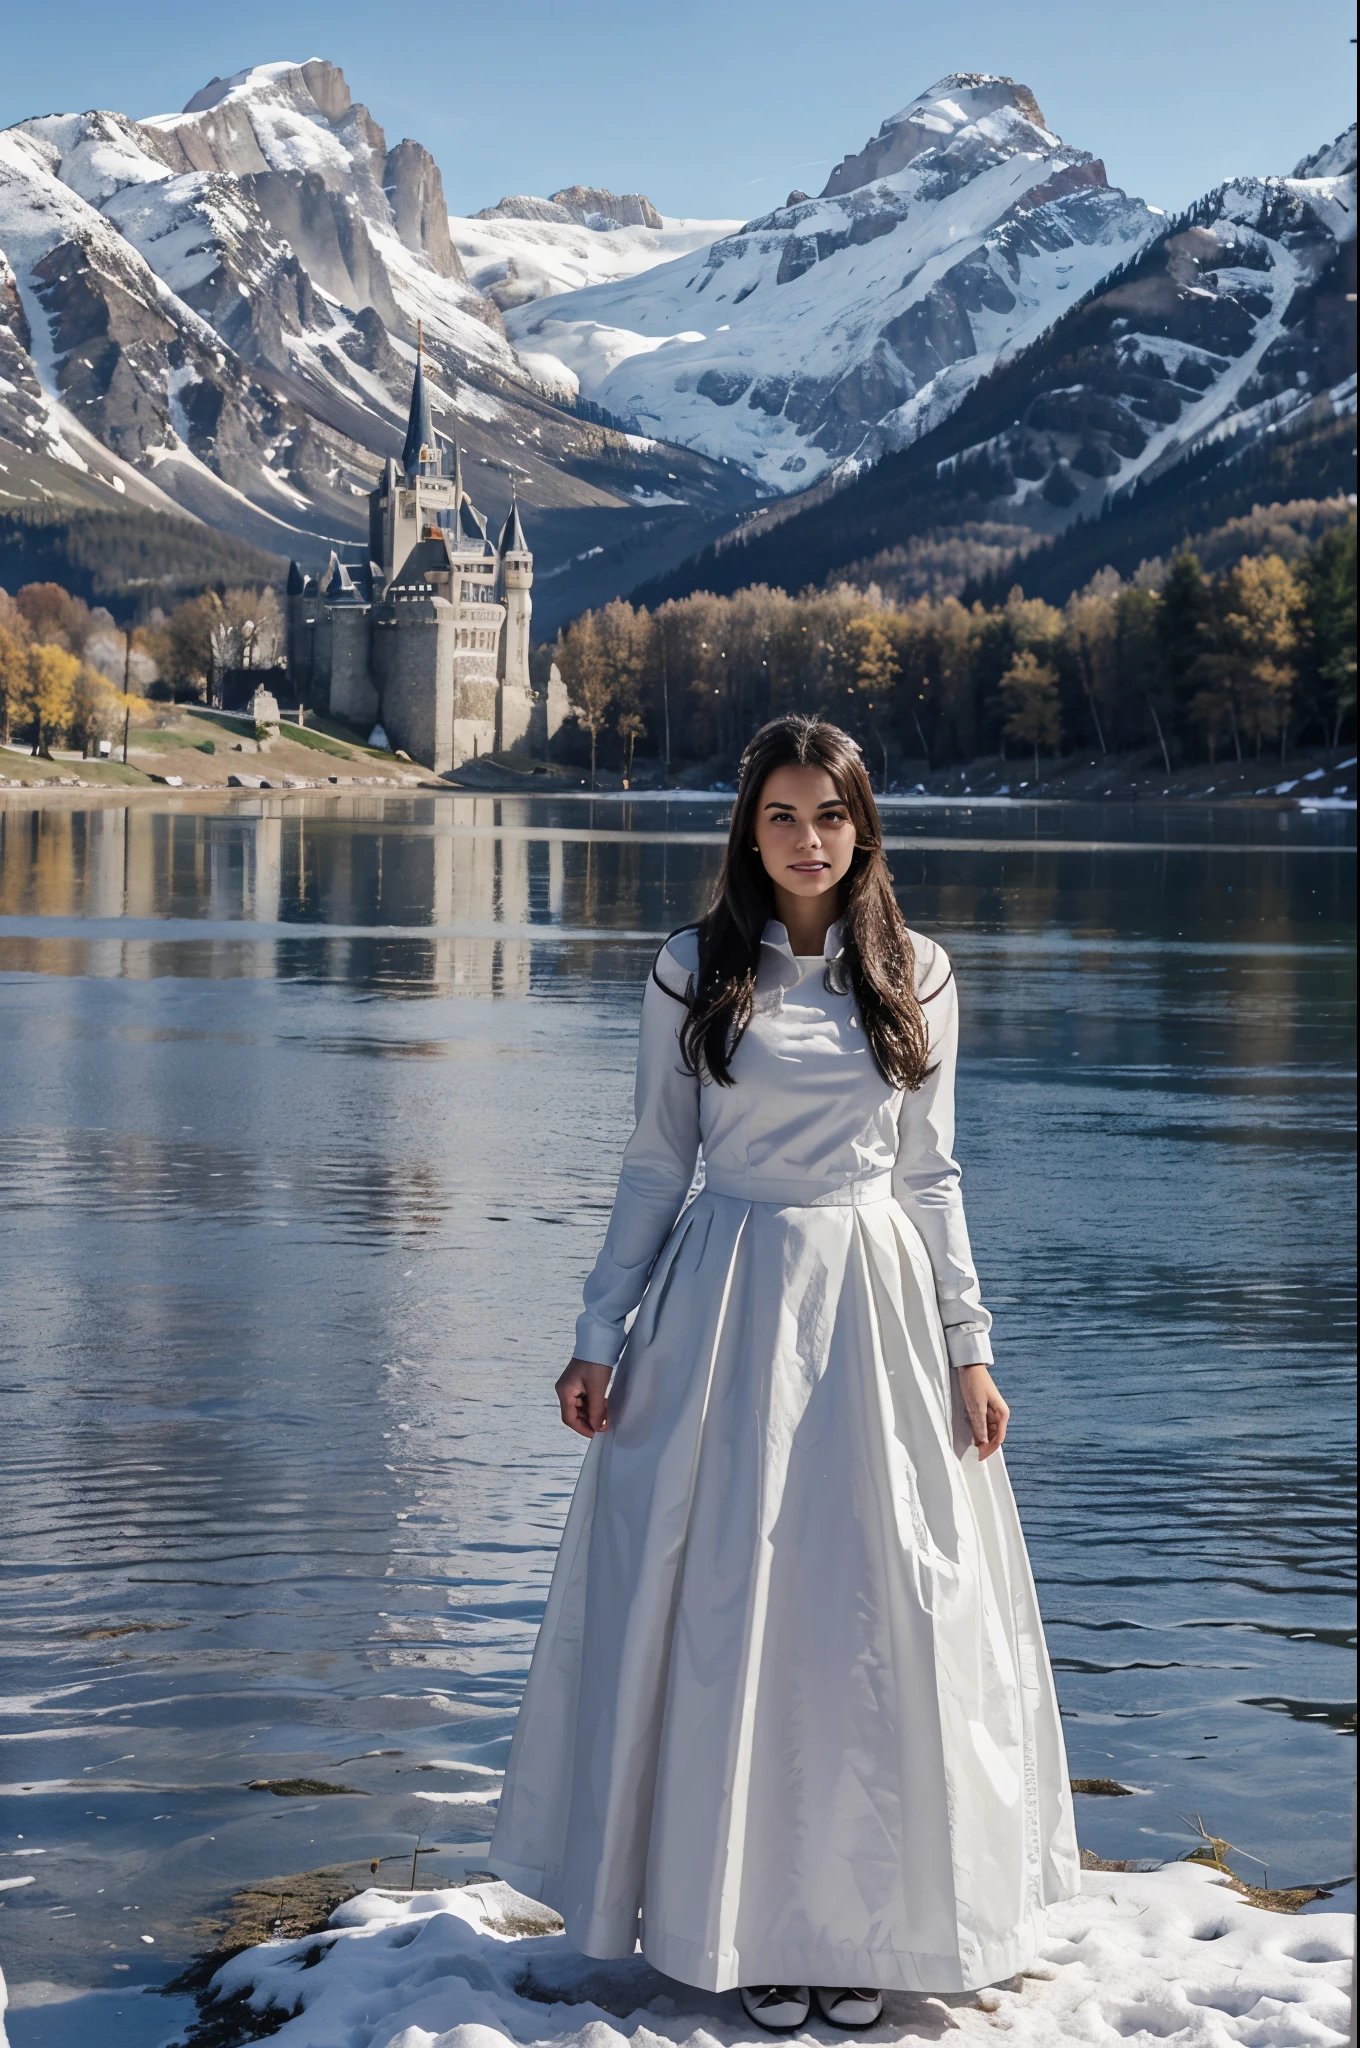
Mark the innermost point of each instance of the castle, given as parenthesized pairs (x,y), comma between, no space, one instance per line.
(428,637)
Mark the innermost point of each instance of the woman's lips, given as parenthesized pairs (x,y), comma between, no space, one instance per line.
(809,867)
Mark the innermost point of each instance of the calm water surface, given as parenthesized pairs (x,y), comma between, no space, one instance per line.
(310,1116)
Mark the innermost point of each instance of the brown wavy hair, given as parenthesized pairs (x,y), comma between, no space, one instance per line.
(878,963)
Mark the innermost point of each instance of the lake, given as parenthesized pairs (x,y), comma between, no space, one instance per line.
(311,1111)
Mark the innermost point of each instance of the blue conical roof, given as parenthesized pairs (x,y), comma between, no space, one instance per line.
(512,541)
(420,456)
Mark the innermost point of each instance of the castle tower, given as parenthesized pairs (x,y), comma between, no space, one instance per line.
(300,615)
(517,576)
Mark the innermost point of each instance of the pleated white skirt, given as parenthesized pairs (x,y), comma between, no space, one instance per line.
(790,1718)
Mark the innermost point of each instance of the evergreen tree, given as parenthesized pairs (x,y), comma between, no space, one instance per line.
(1327,586)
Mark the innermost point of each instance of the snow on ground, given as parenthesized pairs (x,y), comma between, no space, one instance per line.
(1160,1956)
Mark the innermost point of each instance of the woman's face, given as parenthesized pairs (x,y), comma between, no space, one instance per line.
(803,832)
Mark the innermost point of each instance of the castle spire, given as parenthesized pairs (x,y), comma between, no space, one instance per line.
(512,539)
(420,456)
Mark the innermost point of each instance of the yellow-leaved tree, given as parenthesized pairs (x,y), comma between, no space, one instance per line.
(50,694)
(878,671)
(13,680)
(1029,693)
(590,684)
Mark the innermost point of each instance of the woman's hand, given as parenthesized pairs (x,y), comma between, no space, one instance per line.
(581,1393)
(987,1412)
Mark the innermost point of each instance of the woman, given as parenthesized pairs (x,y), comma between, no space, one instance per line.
(790,1719)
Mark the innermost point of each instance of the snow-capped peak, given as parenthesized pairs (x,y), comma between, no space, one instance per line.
(967,110)
(285,79)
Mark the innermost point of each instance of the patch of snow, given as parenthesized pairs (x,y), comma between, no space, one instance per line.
(447,308)
(95,154)
(177,226)
(1160,1955)
(460,1798)
(550,373)
(1214,411)
(474,404)
(522,260)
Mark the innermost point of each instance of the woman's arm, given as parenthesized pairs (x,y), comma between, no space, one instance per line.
(658,1168)
(926,1181)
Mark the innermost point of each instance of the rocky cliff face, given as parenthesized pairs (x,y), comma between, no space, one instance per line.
(840,327)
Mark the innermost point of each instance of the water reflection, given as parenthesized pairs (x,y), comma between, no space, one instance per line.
(293,1226)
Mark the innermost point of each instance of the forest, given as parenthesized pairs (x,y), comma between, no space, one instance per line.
(1259,656)
(70,676)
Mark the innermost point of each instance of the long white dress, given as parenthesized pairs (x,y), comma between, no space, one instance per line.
(790,1717)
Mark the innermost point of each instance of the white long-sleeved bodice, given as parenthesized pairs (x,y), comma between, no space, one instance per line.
(808,1121)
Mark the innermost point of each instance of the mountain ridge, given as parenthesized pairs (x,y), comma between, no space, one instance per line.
(833,330)
(1235,326)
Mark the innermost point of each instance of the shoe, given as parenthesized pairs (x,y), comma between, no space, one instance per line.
(848,2007)
(777,2007)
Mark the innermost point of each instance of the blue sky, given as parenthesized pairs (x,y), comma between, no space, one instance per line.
(717,107)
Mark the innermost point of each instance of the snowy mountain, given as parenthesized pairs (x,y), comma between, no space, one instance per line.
(1231,332)
(216,311)
(837,328)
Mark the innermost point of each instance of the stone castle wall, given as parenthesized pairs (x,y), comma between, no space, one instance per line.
(413,669)
(352,692)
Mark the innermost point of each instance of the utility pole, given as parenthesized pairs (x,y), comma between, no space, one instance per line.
(127,688)
(665,704)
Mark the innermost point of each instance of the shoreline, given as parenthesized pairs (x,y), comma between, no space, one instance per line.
(1135,1948)
(61,796)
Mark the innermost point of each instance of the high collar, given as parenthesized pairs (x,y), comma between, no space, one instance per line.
(777,939)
